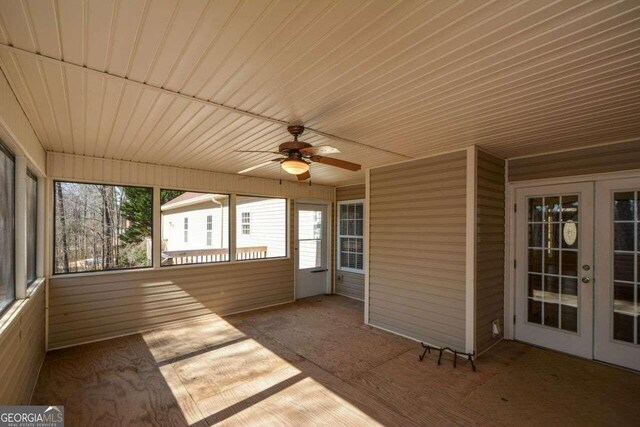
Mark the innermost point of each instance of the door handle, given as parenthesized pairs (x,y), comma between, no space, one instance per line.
(319,271)
(586,280)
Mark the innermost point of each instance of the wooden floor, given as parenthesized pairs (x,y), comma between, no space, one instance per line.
(314,363)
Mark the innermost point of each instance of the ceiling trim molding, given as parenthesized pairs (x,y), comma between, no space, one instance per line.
(41,57)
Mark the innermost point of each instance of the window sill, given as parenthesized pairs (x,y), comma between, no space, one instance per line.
(164,268)
(14,309)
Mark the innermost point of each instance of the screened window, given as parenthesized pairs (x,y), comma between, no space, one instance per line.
(246,223)
(351,236)
(266,219)
(7,242)
(204,235)
(101,227)
(32,226)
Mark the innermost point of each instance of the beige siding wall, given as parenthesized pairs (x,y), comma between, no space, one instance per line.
(350,192)
(607,158)
(418,247)
(347,283)
(96,306)
(16,130)
(490,224)
(350,284)
(22,348)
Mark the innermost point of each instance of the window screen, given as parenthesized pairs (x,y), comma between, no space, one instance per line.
(7,242)
(32,226)
(101,227)
(263,231)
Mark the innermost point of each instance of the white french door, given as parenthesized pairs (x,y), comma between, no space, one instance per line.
(554,254)
(578,269)
(617,308)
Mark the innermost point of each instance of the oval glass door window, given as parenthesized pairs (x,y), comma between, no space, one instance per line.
(570,233)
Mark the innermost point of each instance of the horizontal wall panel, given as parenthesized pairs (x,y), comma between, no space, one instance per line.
(72,167)
(490,241)
(350,192)
(350,284)
(417,249)
(22,348)
(606,158)
(93,307)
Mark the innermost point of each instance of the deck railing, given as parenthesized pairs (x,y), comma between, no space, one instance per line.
(211,255)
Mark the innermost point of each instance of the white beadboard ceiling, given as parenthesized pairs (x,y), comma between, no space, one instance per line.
(186,83)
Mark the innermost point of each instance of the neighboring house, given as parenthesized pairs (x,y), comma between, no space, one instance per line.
(199,221)
(195,221)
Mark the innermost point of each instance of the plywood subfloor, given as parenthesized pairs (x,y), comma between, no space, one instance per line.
(314,363)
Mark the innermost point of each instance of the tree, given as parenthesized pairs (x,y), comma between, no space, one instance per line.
(65,246)
(137,208)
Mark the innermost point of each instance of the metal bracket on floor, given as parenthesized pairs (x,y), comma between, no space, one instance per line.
(428,348)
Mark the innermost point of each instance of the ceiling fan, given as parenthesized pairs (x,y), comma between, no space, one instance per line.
(297,156)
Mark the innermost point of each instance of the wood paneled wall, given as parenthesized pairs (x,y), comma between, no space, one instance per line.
(490,241)
(16,130)
(347,283)
(418,249)
(22,347)
(607,158)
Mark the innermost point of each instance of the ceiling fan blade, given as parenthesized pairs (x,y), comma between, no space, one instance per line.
(321,150)
(304,176)
(259,166)
(254,151)
(336,162)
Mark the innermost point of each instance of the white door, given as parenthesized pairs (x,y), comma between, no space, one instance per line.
(311,231)
(554,268)
(617,323)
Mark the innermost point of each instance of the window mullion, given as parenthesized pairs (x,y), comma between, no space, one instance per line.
(21,226)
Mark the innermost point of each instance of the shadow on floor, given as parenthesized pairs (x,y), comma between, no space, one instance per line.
(314,362)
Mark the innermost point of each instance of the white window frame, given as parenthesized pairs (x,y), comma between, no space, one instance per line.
(339,236)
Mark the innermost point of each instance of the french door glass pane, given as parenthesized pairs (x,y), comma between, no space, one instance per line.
(553,261)
(625,267)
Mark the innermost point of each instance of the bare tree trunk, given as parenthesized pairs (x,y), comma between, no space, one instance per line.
(65,246)
(108,230)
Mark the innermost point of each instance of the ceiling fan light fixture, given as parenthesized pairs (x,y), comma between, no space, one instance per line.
(295,166)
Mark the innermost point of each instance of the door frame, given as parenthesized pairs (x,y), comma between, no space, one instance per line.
(580,343)
(327,236)
(510,231)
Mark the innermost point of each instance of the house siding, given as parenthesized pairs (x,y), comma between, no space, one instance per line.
(348,284)
(490,241)
(22,348)
(608,158)
(350,192)
(418,249)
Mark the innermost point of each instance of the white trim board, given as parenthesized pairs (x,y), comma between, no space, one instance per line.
(470,267)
